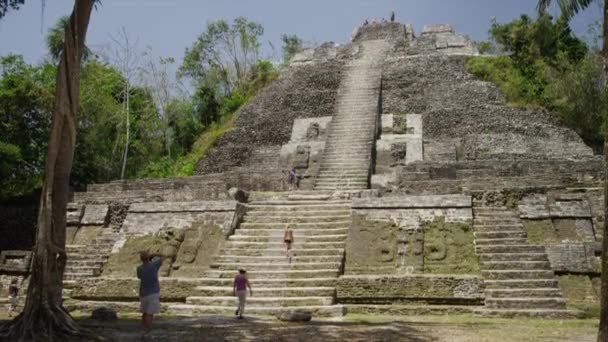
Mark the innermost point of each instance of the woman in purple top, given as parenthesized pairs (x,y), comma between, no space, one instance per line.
(239,289)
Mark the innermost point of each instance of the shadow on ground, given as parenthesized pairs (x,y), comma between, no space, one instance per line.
(253,329)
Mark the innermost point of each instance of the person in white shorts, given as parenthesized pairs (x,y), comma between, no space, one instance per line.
(149,288)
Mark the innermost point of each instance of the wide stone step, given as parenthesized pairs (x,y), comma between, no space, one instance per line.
(516,265)
(340,169)
(296,265)
(76,276)
(270,283)
(500,241)
(531,313)
(299,213)
(496,220)
(298,231)
(350,173)
(278,258)
(526,303)
(226,291)
(296,225)
(297,238)
(521,283)
(345,163)
(513,234)
(189,310)
(489,209)
(84,263)
(274,219)
(92,270)
(74,248)
(322,182)
(297,245)
(87,257)
(509,249)
(497,227)
(343,178)
(360,160)
(350,144)
(325,206)
(232,301)
(282,204)
(513,257)
(517,274)
(276,251)
(278,274)
(325,187)
(545,292)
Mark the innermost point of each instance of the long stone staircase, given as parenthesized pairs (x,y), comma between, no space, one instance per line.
(518,277)
(320,229)
(347,157)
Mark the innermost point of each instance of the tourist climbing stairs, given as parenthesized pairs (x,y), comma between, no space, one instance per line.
(308,282)
(518,277)
(347,157)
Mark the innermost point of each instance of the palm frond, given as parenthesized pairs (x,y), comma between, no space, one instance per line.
(542,6)
(571,7)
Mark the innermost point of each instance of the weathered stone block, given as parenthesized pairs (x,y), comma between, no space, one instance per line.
(430,289)
(95,215)
(104,314)
(437,28)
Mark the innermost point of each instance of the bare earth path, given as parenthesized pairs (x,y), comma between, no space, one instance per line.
(352,328)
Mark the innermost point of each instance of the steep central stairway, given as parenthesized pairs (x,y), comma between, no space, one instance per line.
(320,230)
(347,157)
(518,277)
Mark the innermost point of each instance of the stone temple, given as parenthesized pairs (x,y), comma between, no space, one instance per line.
(421,191)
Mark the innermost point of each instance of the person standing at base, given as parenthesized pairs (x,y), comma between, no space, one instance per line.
(239,289)
(13,293)
(149,288)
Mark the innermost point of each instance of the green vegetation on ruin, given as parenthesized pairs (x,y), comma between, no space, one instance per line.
(542,63)
(540,231)
(581,293)
(126,260)
(449,248)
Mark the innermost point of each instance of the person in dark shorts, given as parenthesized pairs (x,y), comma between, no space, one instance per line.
(239,289)
(288,237)
(149,288)
(292,179)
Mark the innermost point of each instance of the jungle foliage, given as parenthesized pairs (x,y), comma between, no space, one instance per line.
(541,62)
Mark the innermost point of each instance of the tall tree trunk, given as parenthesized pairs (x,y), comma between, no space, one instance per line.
(44,318)
(603,329)
(127,115)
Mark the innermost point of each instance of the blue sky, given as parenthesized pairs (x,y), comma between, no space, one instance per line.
(169,26)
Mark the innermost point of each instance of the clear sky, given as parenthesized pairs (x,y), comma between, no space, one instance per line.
(169,26)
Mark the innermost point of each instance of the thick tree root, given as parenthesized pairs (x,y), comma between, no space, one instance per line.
(45,323)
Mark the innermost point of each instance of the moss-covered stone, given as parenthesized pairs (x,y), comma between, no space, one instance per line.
(86,234)
(400,124)
(201,244)
(125,262)
(540,231)
(580,294)
(370,247)
(448,248)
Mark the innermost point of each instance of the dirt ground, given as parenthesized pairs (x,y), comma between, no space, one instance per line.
(456,328)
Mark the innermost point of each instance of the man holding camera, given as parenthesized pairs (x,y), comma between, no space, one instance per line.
(149,288)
